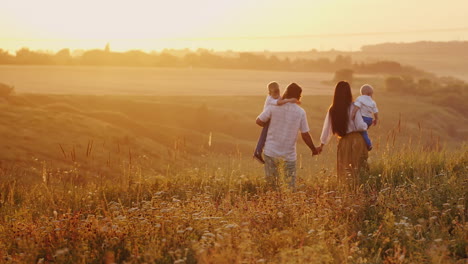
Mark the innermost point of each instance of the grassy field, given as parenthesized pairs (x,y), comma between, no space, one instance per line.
(165,175)
(411,208)
(221,212)
(153,81)
(170,179)
(105,129)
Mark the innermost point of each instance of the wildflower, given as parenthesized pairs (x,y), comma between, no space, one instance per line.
(231,226)
(120,218)
(62,251)
(208,234)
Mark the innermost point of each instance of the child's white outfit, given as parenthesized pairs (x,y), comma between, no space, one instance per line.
(270,101)
(367,105)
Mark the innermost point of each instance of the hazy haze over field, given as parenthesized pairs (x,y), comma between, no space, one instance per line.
(154,81)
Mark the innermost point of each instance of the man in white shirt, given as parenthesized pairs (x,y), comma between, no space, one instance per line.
(273,99)
(285,122)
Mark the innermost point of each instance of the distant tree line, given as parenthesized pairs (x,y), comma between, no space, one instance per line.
(445,91)
(421,47)
(203,58)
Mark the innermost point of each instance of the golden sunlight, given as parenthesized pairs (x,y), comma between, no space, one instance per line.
(233,131)
(223,24)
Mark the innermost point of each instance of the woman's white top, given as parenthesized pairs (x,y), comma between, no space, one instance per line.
(357,124)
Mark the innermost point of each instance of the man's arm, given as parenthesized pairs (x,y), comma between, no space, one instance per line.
(260,122)
(265,115)
(304,129)
(308,140)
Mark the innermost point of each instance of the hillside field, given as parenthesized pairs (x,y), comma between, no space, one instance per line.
(46,126)
(151,175)
(153,81)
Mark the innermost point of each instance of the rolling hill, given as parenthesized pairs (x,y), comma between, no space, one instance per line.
(101,132)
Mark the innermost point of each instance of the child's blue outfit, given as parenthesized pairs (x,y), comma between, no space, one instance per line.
(365,135)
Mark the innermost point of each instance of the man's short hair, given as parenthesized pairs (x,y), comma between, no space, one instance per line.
(293,91)
(366,89)
(273,87)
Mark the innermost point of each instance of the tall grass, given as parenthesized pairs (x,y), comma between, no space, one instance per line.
(410,208)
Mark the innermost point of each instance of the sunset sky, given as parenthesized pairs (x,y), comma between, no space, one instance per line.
(227,24)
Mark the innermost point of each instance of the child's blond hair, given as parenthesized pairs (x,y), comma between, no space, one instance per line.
(367,89)
(273,87)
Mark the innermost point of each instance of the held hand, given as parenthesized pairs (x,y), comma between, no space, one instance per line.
(319,150)
(374,122)
(315,152)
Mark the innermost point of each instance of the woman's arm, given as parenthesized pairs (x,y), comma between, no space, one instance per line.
(327,131)
(359,123)
(353,113)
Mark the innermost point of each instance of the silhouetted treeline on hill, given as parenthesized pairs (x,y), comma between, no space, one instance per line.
(202,59)
(451,47)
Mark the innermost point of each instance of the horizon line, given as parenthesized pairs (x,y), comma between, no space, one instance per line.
(354,34)
(107,42)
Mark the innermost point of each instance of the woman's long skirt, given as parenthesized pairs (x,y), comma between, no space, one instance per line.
(351,159)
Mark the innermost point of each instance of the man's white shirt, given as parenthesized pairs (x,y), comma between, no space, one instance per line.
(285,122)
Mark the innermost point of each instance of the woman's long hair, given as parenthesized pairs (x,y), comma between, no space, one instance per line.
(339,110)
